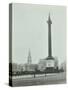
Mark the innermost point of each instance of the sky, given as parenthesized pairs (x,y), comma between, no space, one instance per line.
(30,32)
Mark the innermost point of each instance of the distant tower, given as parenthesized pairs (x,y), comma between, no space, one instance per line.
(49,37)
(29,58)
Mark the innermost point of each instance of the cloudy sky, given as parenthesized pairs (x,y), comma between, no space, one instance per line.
(30,31)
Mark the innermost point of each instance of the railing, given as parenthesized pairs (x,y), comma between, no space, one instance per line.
(20,73)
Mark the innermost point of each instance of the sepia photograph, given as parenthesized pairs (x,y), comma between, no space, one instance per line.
(37,44)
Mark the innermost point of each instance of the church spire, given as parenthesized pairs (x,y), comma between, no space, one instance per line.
(29,57)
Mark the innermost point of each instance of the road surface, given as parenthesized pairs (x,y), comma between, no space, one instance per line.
(29,80)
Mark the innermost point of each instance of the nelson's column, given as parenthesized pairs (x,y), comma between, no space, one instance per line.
(49,63)
(50,60)
(49,39)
